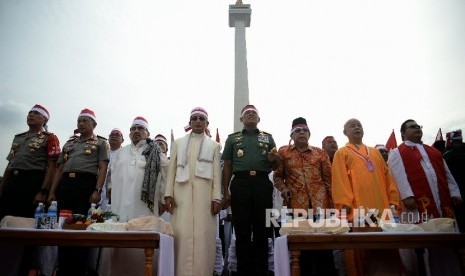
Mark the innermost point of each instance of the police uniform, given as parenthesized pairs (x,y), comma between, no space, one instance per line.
(80,159)
(26,171)
(251,194)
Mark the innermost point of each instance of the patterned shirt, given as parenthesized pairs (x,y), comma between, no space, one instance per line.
(307,175)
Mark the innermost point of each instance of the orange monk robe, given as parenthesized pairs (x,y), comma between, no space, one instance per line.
(354,185)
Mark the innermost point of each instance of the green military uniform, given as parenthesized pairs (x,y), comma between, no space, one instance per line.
(248,150)
(27,167)
(80,159)
(251,194)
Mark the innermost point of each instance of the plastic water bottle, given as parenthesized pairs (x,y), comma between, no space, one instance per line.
(52,215)
(395,214)
(91,210)
(38,216)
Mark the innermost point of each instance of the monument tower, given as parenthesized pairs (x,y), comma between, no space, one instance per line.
(239,18)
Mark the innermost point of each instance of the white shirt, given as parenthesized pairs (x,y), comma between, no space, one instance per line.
(127,176)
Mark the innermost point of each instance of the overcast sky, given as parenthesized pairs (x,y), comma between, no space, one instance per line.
(379,61)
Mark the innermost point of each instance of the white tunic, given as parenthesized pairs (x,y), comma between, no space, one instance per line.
(193,224)
(127,175)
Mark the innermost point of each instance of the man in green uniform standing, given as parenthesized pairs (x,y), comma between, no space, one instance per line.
(250,155)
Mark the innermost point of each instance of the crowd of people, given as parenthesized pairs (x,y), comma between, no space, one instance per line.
(197,181)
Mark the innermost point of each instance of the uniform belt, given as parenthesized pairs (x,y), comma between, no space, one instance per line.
(76,174)
(24,172)
(242,174)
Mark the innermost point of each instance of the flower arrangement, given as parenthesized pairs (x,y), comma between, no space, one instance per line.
(98,215)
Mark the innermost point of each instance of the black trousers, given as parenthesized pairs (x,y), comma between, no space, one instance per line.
(19,191)
(250,197)
(74,194)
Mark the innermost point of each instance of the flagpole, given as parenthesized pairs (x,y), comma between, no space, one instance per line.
(172,141)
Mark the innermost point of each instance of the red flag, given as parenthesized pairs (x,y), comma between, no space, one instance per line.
(391,142)
(217,136)
(439,136)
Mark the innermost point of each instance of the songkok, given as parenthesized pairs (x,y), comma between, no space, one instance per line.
(116,131)
(88,113)
(298,123)
(249,107)
(326,140)
(42,110)
(161,138)
(199,111)
(456,135)
(380,147)
(453,136)
(141,121)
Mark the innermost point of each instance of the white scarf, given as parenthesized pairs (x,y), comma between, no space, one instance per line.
(204,162)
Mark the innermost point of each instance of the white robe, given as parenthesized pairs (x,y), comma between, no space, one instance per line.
(127,176)
(193,224)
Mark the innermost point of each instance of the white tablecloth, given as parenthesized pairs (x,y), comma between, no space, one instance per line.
(281,257)
(166,256)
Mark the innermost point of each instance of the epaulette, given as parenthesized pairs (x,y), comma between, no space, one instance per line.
(21,133)
(235,133)
(72,138)
(98,136)
(264,132)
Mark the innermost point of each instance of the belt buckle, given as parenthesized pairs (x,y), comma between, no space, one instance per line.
(15,173)
(72,175)
(253,173)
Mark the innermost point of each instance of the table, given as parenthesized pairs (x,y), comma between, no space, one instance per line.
(369,240)
(149,240)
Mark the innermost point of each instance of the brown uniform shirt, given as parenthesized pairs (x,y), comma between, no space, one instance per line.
(32,152)
(84,155)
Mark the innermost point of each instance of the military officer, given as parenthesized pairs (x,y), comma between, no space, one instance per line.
(82,166)
(26,181)
(250,155)
(32,162)
(78,182)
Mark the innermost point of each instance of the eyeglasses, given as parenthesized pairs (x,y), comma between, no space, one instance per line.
(201,118)
(415,127)
(301,129)
(116,135)
(139,128)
